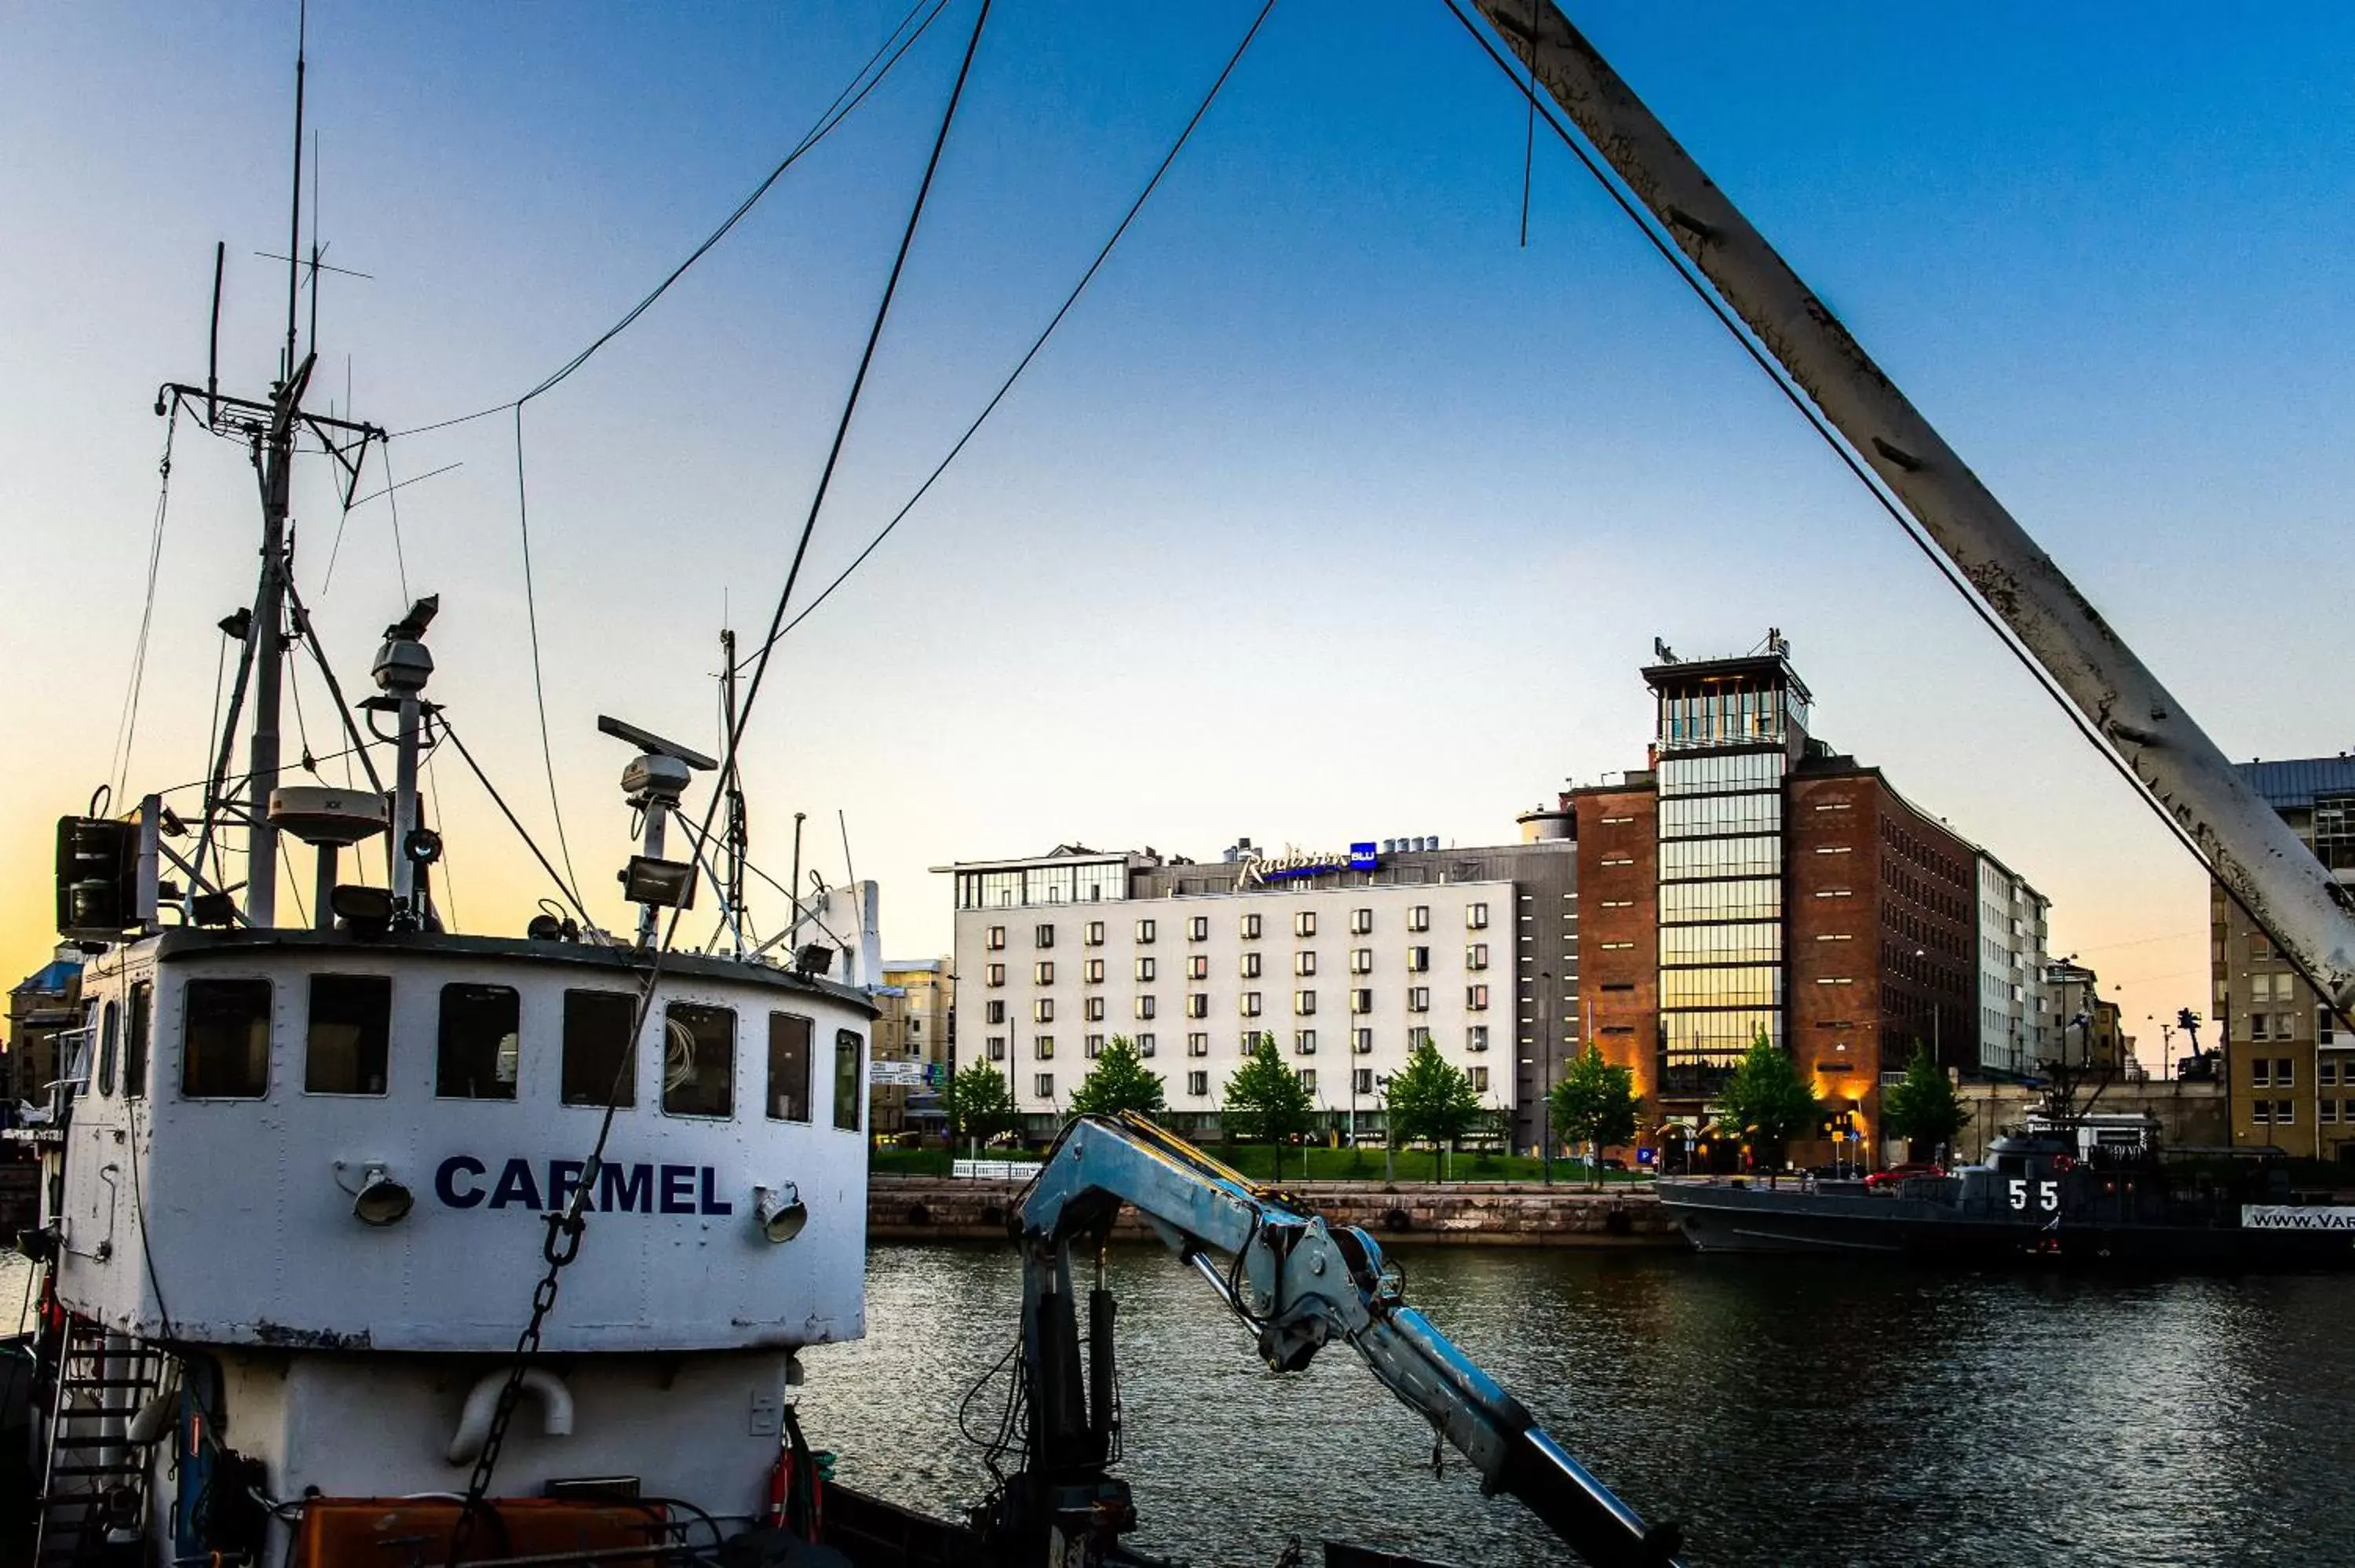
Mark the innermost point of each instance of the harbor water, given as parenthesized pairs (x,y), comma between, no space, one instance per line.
(1788,1410)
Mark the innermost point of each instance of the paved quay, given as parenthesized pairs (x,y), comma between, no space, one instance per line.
(1469,1214)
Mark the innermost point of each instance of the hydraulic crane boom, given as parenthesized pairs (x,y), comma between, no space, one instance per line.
(1299,1284)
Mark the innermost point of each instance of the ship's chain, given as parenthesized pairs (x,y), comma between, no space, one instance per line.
(562,1246)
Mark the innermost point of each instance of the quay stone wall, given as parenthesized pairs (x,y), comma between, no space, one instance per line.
(926,1208)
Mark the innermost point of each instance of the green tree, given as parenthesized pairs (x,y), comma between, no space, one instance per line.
(1265,1099)
(979,1105)
(1119,1081)
(1923,1109)
(1768,1103)
(1431,1099)
(1595,1104)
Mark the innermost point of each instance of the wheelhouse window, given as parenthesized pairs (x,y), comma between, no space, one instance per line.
(789,1067)
(480,1047)
(349,1045)
(600,1052)
(225,1040)
(134,1052)
(110,1040)
(850,1048)
(698,1060)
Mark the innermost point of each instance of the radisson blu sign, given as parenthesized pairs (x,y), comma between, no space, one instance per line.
(1293,864)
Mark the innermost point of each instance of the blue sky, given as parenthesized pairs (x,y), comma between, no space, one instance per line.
(1331,514)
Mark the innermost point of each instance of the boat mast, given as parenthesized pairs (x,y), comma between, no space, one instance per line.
(2250,850)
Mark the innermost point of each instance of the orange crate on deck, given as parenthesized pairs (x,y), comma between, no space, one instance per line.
(395,1532)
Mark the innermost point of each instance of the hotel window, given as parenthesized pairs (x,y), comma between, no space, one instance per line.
(2326,1026)
(1475,916)
(2260,1072)
(2282,1079)
(1092,1010)
(2261,949)
(1475,955)
(1476,1038)
(1362,1001)
(1144,1007)
(1044,936)
(1144,929)
(1250,966)
(1043,1011)
(1308,1076)
(2325,1074)
(1042,1047)
(1362,960)
(1092,1047)
(1198,1044)
(1042,1086)
(600,1059)
(1418,960)
(1362,1082)
(993,1010)
(479,1048)
(2284,1113)
(998,1047)
(1479,1077)
(2326,1110)
(1418,999)
(1251,928)
(1305,923)
(1303,963)
(1417,1038)
(1093,973)
(2261,1026)
(1145,967)
(1363,1040)
(1042,972)
(1303,1042)
(1094,934)
(995,975)
(1361,922)
(1304,1002)
(789,1066)
(1475,999)
(1251,1004)
(1197,1084)
(1197,929)
(1197,1006)
(1419,917)
(1144,1043)
(698,1060)
(2261,1110)
(996,943)
(351,1038)
(1248,1041)
(1197,966)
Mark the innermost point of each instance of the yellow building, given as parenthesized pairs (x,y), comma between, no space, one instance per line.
(2289,1065)
(914,1030)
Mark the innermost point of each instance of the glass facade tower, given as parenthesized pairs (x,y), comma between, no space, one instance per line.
(1728,731)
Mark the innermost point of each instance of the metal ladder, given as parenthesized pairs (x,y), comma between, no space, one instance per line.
(94,1477)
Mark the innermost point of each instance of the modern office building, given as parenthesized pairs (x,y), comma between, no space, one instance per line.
(2015,1008)
(1348,958)
(914,1026)
(2289,1065)
(1752,882)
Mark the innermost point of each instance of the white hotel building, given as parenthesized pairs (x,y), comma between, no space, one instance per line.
(1347,959)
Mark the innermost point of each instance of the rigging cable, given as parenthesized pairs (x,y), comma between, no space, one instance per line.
(835,114)
(127,730)
(1039,342)
(565,1229)
(531,621)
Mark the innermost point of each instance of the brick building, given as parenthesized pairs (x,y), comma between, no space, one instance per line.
(1753,880)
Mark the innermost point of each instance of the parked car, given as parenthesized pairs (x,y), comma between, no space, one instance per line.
(1879,1180)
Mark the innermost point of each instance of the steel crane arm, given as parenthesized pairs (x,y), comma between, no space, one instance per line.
(2248,847)
(1301,1283)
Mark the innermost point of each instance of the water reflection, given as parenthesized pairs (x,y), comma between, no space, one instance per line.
(1788,1410)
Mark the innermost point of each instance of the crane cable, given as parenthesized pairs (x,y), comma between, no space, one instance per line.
(565,1229)
(126,730)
